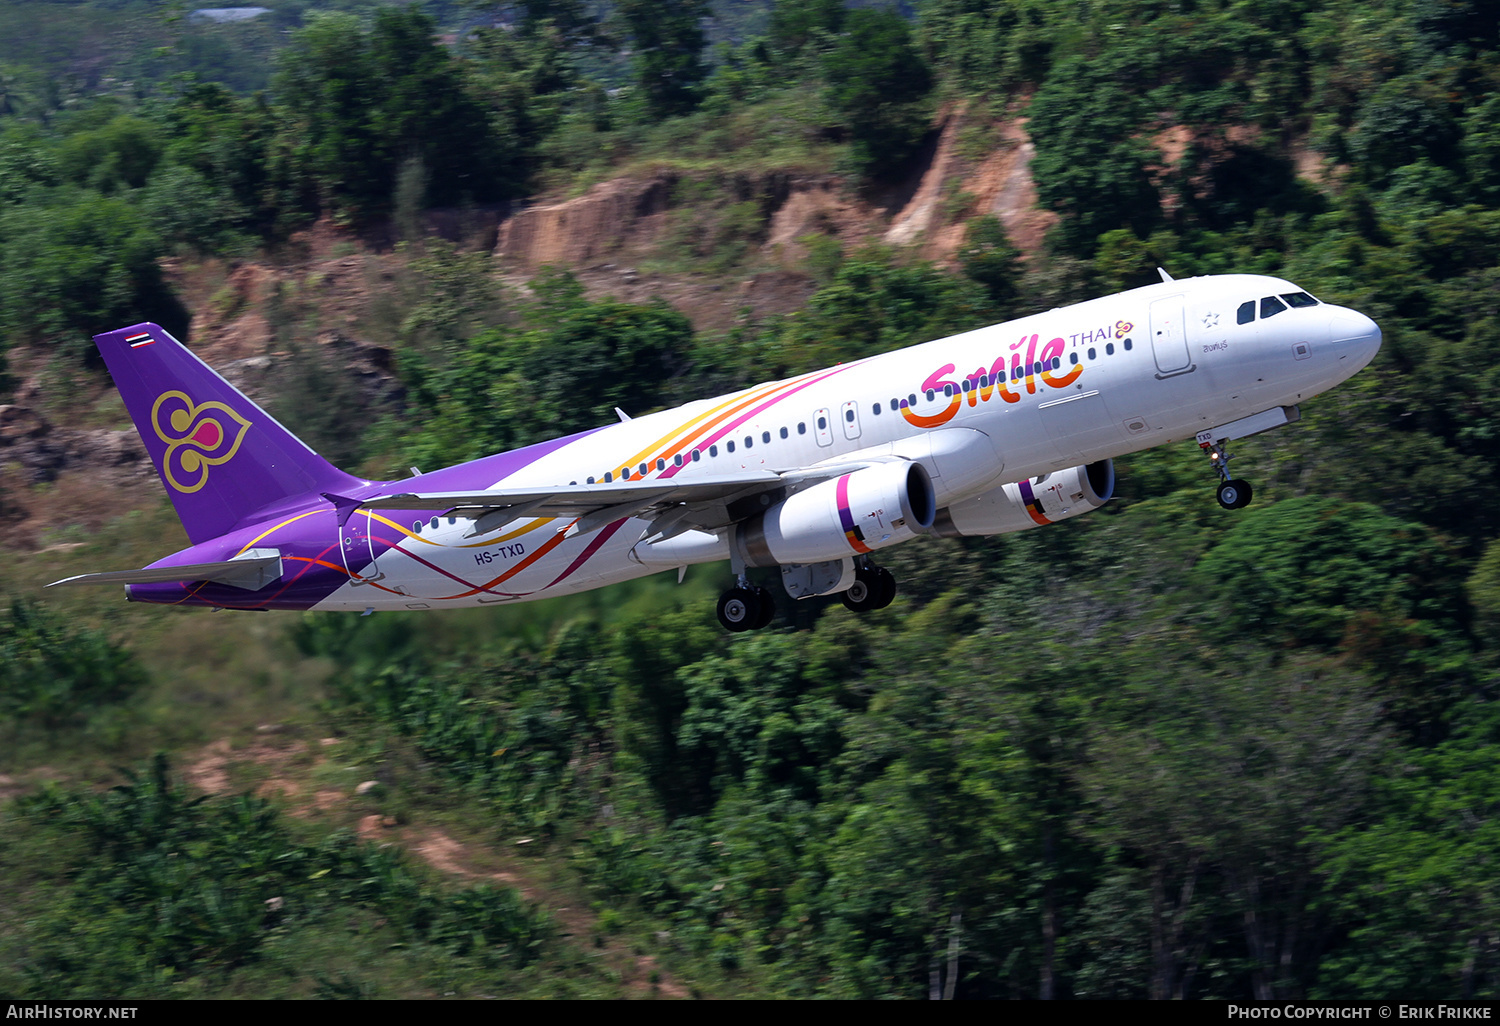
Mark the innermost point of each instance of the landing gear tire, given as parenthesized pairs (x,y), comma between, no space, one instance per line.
(874,587)
(1235,494)
(860,597)
(740,609)
(767,608)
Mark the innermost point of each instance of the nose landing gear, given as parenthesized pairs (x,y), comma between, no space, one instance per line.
(1233,493)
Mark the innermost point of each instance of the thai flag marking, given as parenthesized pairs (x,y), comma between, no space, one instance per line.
(136,341)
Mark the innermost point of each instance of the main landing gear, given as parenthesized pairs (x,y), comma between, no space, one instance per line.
(874,587)
(746,607)
(1233,493)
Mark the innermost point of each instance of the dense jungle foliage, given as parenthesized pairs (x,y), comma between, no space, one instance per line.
(1162,751)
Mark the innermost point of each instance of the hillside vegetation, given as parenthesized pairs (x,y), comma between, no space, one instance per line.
(1161,751)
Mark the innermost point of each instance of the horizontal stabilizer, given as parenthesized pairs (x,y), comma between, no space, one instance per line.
(252,571)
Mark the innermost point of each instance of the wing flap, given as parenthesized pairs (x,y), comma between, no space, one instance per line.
(702,502)
(567,500)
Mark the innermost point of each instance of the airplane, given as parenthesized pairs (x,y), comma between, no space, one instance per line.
(1006,428)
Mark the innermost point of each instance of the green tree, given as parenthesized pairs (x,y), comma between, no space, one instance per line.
(118,155)
(1399,124)
(876,85)
(1089,166)
(226,142)
(52,672)
(988,257)
(797,24)
(1416,883)
(359,103)
(75,268)
(666,41)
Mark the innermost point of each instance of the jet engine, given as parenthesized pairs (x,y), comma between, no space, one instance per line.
(1030,503)
(848,515)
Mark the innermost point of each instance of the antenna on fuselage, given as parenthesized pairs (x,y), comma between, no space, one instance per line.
(1164,275)
(623,415)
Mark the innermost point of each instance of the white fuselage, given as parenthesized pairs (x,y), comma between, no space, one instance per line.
(1057,389)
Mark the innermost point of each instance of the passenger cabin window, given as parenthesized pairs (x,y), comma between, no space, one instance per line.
(802,427)
(1298,299)
(783,432)
(1270,306)
(1246,313)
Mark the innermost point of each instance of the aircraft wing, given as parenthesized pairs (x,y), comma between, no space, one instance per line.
(702,502)
(252,571)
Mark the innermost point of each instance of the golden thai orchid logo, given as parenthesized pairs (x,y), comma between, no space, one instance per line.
(198,436)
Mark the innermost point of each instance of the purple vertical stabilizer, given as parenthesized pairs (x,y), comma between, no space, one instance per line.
(221,457)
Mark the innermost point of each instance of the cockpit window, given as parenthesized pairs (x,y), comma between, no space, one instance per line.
(1299,299)
(1246,312)
(1270,306)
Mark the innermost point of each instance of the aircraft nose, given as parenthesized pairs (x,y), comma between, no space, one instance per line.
(1354,333)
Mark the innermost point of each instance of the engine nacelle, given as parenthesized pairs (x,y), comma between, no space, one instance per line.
(848,515)
(1031,503)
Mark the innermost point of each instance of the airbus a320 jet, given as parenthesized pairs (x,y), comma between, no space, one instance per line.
(1006,428)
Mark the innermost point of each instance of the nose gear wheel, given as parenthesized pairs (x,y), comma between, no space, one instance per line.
(1233,493)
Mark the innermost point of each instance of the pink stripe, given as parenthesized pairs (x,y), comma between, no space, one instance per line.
(670,471)
(593,547)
